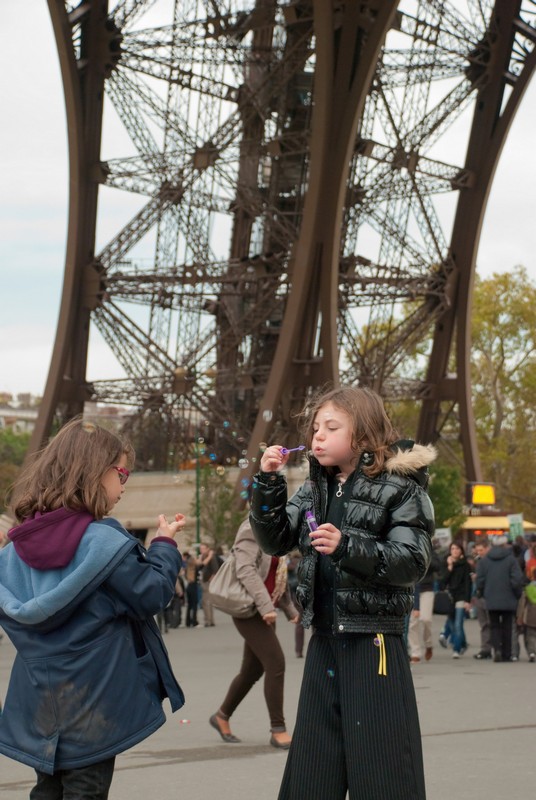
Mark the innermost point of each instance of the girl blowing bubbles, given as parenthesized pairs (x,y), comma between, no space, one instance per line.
(357,727)
(77,599)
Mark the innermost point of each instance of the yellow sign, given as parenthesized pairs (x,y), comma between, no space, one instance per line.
(481,494)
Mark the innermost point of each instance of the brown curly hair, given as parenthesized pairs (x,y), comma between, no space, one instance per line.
(372,428)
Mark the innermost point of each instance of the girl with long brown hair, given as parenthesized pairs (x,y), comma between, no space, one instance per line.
(363,523)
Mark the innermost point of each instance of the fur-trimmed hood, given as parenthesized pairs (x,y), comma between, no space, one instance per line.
(410,457)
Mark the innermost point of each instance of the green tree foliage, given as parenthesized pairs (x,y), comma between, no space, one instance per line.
(13,447)
(504,385)
(446,492)
(219,518)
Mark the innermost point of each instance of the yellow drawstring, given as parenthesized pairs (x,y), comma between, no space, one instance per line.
(379,641)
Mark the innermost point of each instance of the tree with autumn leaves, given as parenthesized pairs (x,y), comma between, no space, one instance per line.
(503,362)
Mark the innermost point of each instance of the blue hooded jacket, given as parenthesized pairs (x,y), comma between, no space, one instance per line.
(77,599)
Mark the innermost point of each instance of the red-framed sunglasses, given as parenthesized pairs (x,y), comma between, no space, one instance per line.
(123,474)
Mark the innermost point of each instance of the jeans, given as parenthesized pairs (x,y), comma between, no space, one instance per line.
(453,630)
(92,783)
(458,633)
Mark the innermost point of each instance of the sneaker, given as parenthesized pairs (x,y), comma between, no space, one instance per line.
(482,655)
(443,640)
(532,657)
(514,658)
(455,655)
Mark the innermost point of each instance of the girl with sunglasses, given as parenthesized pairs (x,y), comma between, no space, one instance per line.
(78,595)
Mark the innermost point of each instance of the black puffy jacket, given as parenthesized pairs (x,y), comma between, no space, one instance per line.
(385,546)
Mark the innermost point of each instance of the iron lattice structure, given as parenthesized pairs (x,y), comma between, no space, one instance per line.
(306,182)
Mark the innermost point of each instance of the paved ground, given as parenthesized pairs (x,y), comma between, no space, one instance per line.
(478,722)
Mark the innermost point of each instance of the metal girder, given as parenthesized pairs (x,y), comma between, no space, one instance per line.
(307,349)
(83,82)
(491,122)
(286,160)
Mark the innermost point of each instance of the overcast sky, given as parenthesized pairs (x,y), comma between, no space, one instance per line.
(34,185)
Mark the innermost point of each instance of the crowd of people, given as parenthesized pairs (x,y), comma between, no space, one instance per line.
(350,555)
(494,582)
(500,594)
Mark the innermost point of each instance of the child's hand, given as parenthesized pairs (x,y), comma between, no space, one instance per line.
(273,459)
(170,529)
(326,538)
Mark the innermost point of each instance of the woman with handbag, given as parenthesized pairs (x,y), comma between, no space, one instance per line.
(265,579)
(456,579)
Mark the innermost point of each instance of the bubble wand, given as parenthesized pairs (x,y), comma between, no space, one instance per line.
(285,450)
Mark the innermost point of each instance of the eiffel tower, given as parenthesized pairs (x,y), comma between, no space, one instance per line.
(269,196)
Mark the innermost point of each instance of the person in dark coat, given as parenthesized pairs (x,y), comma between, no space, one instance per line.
(363,522)
(480,551)
(456,579)
(499,580)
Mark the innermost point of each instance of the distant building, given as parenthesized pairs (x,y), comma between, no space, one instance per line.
(20,420)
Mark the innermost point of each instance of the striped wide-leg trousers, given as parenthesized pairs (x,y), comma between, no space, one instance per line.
(357,728)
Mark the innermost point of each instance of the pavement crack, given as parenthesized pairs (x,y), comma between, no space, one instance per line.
(530,726)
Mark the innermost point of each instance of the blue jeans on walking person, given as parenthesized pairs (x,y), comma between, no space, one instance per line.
(453,630)
(458,633)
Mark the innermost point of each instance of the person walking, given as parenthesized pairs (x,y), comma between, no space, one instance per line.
(192,590)
(499,580)
(420,642)
(78,595)
(209,565)
(456,579)
(265,579)
(481,550)
(363,522)
(526,617)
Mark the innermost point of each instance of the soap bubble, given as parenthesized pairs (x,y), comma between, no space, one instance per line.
(220,470)
(331,673)
(267,415)
(262,446)
(244,482)
(226,424)
(243,463)
(212,456)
